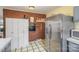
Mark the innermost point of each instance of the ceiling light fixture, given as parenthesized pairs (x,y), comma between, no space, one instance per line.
(31,7)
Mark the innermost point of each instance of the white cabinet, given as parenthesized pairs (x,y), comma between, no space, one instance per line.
(15,38)
(25,35)
(17,29)
(76,13)
(73,44)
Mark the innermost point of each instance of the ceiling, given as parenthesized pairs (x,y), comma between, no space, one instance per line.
(38,9)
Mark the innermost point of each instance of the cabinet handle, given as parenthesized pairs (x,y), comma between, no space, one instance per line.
(50,31)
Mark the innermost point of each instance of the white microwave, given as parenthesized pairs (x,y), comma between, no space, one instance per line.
(75,33)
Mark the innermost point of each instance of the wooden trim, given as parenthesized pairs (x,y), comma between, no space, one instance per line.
(28,14)
(4,25)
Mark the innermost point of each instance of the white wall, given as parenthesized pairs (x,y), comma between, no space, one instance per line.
(77,25)
(66,10)
(1,12)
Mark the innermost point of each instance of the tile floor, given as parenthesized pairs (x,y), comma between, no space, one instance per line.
(35,46)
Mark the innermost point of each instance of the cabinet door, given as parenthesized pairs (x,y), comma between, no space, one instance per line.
(12,32)
(15,38)
(9,27)
(76,13)
(20,32)
(9,30)
(23,33)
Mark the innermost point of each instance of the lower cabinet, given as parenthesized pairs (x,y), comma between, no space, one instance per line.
(73,47)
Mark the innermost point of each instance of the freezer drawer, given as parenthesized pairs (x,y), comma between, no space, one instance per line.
(47,45)
(55,46)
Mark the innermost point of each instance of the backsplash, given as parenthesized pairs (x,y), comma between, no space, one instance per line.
(76,25)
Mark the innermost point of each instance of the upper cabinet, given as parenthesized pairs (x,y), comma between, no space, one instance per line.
(76,13)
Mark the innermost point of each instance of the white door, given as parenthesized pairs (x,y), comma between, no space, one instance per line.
(17,29)
(15,40)
(9,28)
(20,32)
(12,32)
(23,33)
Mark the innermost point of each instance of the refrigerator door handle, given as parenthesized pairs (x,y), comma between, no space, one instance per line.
(50,31)
(50,36)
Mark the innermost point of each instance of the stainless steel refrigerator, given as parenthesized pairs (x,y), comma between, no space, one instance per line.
(57,30)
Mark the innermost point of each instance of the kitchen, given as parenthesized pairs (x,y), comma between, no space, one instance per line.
(34,39)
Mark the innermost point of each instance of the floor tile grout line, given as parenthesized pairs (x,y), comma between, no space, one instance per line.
(32,47)
(41,45)
(37,46)
(43,41)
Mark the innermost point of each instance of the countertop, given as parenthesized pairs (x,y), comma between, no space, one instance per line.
(73,40)
(4,42)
